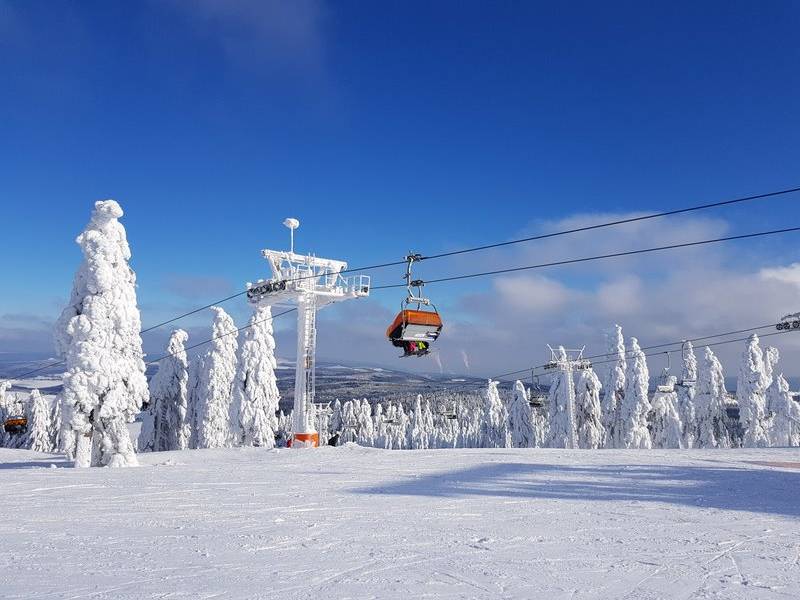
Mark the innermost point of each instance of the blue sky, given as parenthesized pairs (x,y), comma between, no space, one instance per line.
(384,127)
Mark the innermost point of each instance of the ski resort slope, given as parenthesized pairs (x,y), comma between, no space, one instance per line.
(355,522)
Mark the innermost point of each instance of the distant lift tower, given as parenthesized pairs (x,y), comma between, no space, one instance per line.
(310,283)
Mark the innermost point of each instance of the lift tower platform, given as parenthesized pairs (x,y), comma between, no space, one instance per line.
(309,283)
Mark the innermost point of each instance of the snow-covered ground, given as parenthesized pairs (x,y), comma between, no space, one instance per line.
(354,522)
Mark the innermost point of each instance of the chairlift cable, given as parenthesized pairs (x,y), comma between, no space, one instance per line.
(600,257)
(614,223)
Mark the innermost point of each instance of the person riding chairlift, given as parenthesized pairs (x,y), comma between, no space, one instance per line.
(415,348)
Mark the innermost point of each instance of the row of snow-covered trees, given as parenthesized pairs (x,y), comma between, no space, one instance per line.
(580,414)
(227,397)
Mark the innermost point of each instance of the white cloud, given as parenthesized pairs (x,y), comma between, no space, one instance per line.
(789,274)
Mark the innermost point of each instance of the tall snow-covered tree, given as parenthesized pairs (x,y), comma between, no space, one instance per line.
(561,401)
(709,405)
(666,428)
(588,414)
(635,405)
(520,418)
(494,424)
(785,414)
(39,423)
(98,336)
(614,388)
(255,387)
(215,385)
(165,426)
(751,387)
(686,393)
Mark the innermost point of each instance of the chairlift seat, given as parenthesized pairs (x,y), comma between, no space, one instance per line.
(16,425)
(414,326)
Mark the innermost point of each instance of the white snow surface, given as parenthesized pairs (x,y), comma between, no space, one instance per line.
(352,522)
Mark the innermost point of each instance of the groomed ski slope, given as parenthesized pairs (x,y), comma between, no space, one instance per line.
(360,523)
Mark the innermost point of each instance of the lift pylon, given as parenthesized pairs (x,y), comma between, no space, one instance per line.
(310,283)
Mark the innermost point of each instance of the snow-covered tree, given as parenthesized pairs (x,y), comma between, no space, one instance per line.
(255,387)
(494,424)
(419,432)
(520,418)
(709,405)
(349,423)
(785,414)
(215,385)
(55,424)
(588,414)
(635,406)
(98,336)
(771,357)
(399,428)
(38,423)
(283,429)
(750,394)
(561,401)
(193,397)
(4,411)
(541,428)
(686,393)
(164,425)
(366,429)
(335,422)
(666,426)
(614,388)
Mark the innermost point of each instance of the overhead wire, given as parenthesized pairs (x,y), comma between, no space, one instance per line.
(571,261)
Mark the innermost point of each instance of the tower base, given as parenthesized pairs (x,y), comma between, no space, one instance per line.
(304,440)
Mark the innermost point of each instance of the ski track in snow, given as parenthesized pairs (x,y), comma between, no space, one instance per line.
(357,522)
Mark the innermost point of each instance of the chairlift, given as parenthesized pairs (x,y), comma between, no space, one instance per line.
(666,383)
(447,412)
(16,425)
(414,329)
(537,396)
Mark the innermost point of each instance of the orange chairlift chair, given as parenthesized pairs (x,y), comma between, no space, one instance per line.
(414,329)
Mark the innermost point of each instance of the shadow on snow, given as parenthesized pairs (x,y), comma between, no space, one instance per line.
(728,488)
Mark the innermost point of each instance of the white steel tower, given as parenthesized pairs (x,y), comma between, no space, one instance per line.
(310,283)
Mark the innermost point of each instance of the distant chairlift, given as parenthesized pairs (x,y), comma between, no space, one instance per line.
(536,396)
(574,358)
(16,425)
(666,382)
(448,412)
